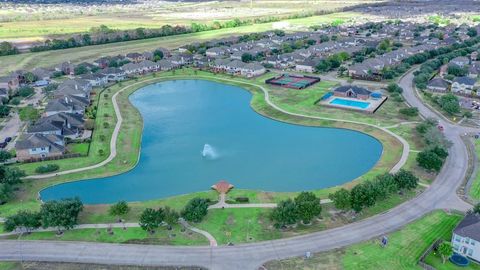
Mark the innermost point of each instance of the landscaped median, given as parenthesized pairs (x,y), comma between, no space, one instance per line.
(239,225)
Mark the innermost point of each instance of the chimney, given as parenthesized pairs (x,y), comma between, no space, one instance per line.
(66,100)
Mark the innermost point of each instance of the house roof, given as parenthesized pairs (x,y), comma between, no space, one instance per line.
(464,80)
(30,141)
(356,89)
(438,82)
(469,227)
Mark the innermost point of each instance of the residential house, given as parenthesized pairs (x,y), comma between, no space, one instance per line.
(466,237)
(460,61)
(463,85)
(252,70)
(95,79)
(10,83)
(114,74)
(216,52)
(69,125)
(135,57)
(74,87)
(39,146)
(437,85)
(43,73)
(308,65)
(66,68)
(67,104)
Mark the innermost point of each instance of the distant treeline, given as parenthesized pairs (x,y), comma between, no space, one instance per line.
(6,48)
(104,34)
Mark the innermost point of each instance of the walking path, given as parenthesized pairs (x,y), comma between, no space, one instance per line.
(211,239)
(222,204)
(440,195)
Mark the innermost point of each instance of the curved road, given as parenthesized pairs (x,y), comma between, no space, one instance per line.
(441,194)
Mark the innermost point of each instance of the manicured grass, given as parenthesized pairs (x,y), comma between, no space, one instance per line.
(475,188)
(9,266)
(239,225)
(90,53)
(80,148)
(435,260)
(405,246)
(402,252)
(131,235)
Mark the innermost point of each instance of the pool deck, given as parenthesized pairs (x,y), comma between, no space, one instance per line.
(374,103)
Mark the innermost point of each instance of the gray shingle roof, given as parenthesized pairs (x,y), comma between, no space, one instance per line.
(356,89)
(38,140)
(469,227)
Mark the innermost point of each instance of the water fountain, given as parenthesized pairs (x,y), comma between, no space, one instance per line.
(209,151)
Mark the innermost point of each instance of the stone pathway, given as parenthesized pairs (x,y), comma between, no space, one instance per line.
(213,242)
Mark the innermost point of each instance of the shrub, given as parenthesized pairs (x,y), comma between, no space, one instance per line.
(411,111)
(195,210)
(242,199)
(47,168)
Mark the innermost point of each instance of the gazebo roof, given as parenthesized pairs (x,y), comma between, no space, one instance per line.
(222,186)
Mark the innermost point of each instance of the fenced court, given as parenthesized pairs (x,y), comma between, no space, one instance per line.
(293,81)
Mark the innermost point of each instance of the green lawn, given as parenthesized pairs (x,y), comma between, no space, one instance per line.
(405,246)
(435,260)
(403,251)
(80,148)
(131,235)
(9,266)
(475,188)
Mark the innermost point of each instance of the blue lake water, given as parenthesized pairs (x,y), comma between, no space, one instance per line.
(245,148)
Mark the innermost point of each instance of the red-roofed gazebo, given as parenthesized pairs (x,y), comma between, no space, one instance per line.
(222,187)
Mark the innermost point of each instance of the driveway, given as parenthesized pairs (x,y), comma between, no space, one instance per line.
(10,129)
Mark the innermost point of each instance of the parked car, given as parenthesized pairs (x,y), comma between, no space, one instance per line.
(8,139)
(3,145)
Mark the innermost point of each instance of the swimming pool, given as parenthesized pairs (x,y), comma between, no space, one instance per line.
(350,103)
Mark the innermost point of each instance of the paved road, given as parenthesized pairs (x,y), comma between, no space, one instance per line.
(10,129)
(441,194)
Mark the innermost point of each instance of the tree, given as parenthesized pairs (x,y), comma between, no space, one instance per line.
(449,103)
(30,77)
(341,199)
(29,114)
(7,48)
(150,219)
(119,209)
(362,195)
(445,250)
(4,155)
(79,70)
(23,219)
(25,91)
(4,110)
(410,111)
(171,216)
(307,206)
(195,210)
(476,208)
(247,57)
(284,214)
(406,179)
(62,214)
(472,32)
(427,159)
(158,55)
(394,88)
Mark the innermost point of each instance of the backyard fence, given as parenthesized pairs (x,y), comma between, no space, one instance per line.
(421,262)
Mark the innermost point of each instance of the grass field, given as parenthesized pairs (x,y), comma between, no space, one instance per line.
(38,21)
(129,236)
(403,251)
(90,53)
(475,188)
(80,148)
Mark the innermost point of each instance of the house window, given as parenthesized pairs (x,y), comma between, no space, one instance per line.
(470,252)
(455,247)
(457,238)
(43,148)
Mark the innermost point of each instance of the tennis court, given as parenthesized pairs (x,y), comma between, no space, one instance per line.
(293,81)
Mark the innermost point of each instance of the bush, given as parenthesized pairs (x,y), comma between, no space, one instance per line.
(195,210)
(410,111)
(242,199)
(5,155)
(47,168)
(429,160)
(25,91)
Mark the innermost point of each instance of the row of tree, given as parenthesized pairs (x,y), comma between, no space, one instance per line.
(305,207)
(62,214)
(440,57)
(435,152)
(7,48)
(366,194)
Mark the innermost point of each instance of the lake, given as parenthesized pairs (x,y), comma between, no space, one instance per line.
(197,132)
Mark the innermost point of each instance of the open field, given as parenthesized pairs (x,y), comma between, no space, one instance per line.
(22,21)
(403,251)
(130,137)
(90,53)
